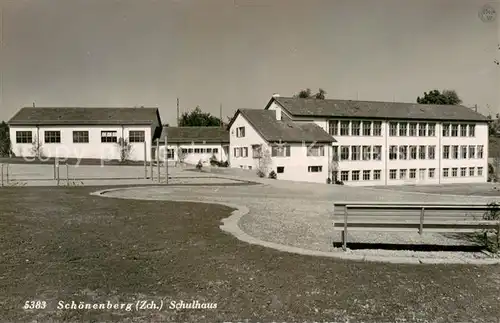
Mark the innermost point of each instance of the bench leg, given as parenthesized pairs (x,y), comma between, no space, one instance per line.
(344,240)
(498,236)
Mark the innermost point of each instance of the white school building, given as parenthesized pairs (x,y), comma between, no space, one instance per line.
(361,142)
(84,132)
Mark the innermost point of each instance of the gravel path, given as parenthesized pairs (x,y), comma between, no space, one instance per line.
(299,214)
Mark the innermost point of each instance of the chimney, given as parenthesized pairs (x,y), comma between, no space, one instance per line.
(278,113)
(276,95)
(33,104)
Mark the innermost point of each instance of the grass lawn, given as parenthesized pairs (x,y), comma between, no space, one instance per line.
(60,244)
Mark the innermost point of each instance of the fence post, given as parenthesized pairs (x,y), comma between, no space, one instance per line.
(166,158)
(421,228)
(158,158)
(145,160)
(55,163)
(1,167)
(57,171)
(7,173)
(344,233)
(67,174)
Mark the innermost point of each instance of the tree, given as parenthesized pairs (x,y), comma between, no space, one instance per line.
(307,94)
(197,118)
(125,148)
(494,125)
(334,168)
(37,148)
(5,145)
(447,97)
(265,161)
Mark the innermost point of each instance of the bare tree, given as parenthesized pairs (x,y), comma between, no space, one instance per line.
(333,168)
(125,148)
(37,148)
(181,156)
(265,162)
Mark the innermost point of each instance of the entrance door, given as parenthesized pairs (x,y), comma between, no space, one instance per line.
(421,174)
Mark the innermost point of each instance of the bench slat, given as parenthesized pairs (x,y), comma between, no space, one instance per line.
(408,219)
(457,225)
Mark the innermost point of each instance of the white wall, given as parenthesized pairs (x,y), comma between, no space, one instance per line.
(93,149)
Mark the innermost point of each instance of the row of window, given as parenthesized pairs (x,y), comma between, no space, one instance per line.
(23,137)
(358,152)
(463,171)
(356,175)
(412,152)
(278,150)
(454,130)
(476,151)
(200,150)
(404,174)
(354,128)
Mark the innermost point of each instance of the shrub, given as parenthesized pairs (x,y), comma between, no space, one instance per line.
(214,161)
(339,183)
(273,175)
(328,180)
(224,164)
(199,166)
(260,173)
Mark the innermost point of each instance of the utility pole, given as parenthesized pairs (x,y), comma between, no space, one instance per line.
(178,120)
(220,115)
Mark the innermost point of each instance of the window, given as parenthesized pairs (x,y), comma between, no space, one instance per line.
(432,172)
(446,152)
(184,150)
(413,152)
(392,173)
(421,152)
(454,130)
(454,150)
(335,152)
(376,174)
(190,150)
(431,129)
(454,172)
(403,173)
(431,152)
(472,171)
(80,137)
(421,129)
(463,130)
(244,152)
(215,150)
(240,132)
(355,128)
(236,152)
(170,154)
(356,152)
(393,152)
(109,136)
(403,152)
(355,175)
(344,152)
(403,129)
(413,173)
(52,137)
(280,151)
(377,128)
(24,137)
(316,151)
(421,174)
(393,129)
(136,136)
(463,152)
(367,152)
(209,150)
(280,169)
(413,130)
(198,151)
(256,151)
(344,128)
(472,130)
(480,151)
(472,151)
(446,129)
(249,167)
(315,169)
(463,171)
(344,175)
(377,153)
(333,127)
(366,175)
(479,171)
(446,172)
(367,128)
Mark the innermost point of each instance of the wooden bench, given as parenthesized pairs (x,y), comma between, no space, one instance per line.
(413,217)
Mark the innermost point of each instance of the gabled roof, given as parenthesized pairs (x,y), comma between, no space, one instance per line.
(272,130)
(298,107)
(195,134)
(86,116)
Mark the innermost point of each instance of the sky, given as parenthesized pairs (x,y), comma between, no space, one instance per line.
(237,53)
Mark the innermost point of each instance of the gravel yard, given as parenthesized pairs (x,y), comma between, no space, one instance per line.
(300,215)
